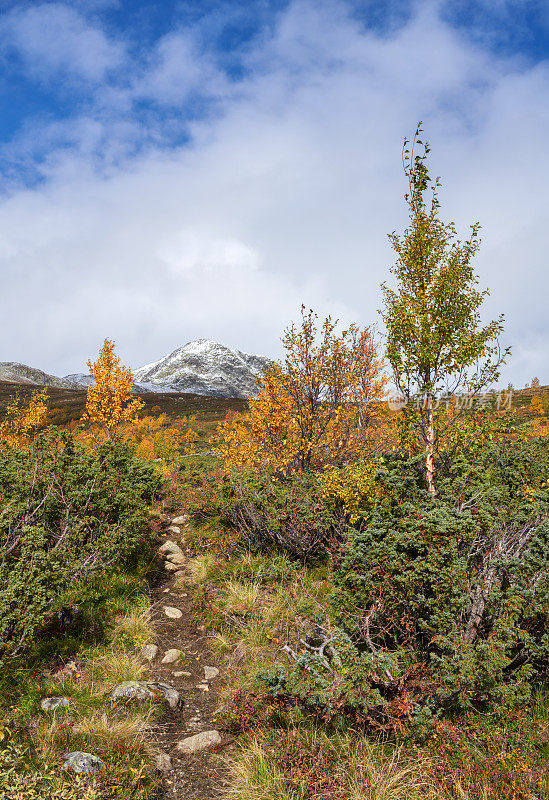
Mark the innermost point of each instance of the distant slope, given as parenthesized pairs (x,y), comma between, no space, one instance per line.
(19,373)
(207,368)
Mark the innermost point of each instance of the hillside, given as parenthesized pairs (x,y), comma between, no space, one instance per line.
(18,373)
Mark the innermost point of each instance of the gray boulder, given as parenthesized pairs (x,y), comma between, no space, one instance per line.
(139,691)
(53,703)
(81,763)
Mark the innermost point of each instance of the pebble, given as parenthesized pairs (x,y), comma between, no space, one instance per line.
(163,762)
(180,520)
(174,529)
(172,613)
(200,741)
(203,687)
(210,673)
(181,674)
(171,656)
(149,652)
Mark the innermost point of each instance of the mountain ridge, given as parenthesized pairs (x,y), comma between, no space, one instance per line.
(202,367)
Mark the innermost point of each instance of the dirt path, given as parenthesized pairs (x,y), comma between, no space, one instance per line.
(202,775)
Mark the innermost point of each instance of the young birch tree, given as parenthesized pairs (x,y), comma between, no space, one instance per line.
(109,402)
(436,343)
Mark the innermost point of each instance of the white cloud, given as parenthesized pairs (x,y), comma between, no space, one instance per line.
(284,197)
(54,40)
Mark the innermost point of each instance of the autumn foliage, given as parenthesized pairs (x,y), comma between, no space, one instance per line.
(319,407)
(109,401)
(24,418)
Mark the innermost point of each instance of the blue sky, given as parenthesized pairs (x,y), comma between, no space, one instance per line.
(177,170)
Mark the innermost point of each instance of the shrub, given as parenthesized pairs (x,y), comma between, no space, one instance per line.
(458,583)
(290,514)
(67,514)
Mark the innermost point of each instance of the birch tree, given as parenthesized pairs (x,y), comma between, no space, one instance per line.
(436,342)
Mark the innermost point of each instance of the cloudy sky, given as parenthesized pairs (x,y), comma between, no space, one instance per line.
(199,168)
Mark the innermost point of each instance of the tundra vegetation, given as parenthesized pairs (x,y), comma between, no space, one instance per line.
(375,579)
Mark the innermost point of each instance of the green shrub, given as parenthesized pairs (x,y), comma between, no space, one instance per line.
(67,514)
(459,583)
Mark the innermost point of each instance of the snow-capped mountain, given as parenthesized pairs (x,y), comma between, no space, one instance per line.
(205,367)
(19,373)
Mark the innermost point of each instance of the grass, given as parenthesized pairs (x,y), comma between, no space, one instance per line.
(119,735)
(341,765)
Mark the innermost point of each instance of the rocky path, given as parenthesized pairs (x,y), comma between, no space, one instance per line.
(187,737)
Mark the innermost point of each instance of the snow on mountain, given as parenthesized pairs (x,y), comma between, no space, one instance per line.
(208,368)
(83,381)
(20,373)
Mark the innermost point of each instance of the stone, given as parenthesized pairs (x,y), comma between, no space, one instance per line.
(149,652)
(168,548)
(210,673)
(81,763)
(181,674)
(172,613)
(200,741)
(180,520)
(171,656)
(68,671)
(138,691)
(174,529)
(203,687)
(176,558)
(163,762)
(52,703)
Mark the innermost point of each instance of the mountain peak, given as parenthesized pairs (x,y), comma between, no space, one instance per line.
(204,366)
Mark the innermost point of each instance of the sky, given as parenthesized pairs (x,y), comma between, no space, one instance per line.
(180,169)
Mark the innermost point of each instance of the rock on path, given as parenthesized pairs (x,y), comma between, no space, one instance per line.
(200,741)
(173,613)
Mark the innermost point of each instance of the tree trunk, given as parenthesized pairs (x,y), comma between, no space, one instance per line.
(430,436)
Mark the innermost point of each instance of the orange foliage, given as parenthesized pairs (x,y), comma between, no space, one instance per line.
(536,405)
(108,403)
(23,419)
(322,406)
(153,438)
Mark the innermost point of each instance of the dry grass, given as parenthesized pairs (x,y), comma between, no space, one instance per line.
(368,770)
(133,628)
(254,776)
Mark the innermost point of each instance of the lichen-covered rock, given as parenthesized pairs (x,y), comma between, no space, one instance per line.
(53,703)
(80,763)
(139,691)
(200,741)
(180,520)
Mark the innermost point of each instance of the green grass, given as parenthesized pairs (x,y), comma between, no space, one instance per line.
(106,654)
